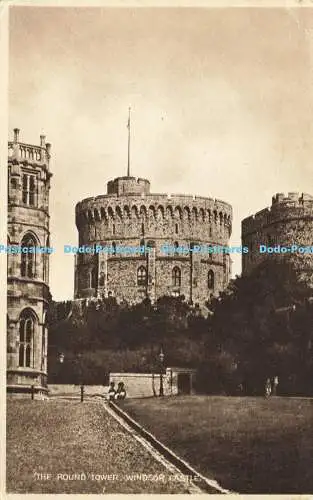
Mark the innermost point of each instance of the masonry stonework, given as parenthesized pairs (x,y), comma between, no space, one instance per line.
(289,221)
(28,293)
(129,215)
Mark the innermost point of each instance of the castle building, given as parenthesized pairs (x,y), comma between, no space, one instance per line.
(287,223)
(28,293)
(130,216)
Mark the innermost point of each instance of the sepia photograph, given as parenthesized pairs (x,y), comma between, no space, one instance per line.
(159,251)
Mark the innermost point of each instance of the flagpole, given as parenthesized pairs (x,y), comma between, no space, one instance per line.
(128,158)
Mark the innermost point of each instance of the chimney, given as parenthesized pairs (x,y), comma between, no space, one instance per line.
(42,141)
(16,134)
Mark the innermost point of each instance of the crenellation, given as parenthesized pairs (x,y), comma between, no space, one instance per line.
(136,218)
(289,221)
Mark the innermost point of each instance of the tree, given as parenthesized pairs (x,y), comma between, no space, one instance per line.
(247,323)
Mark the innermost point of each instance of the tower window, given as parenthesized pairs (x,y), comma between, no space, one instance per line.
(141,276)
(113,229)
(142,228)
(211,280)
(176,228)
(28,259)
(29,190)
(176,276)
(93,278)
(101,279)
(26,339)
(113,248)
(210,253)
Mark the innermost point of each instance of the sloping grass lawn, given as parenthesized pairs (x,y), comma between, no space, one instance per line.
(60,446)
(249,445)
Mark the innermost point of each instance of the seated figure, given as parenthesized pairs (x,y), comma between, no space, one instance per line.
(112,392)
(121,392)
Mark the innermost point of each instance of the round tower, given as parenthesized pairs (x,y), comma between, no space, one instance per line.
(28,293)
(288,222)
(129,215)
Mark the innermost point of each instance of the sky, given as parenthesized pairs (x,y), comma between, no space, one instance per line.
(221,102)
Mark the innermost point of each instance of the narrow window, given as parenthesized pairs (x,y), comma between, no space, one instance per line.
(176,277)
(29,190)
(93,278)
(141,276)
(211,280)
(101,279)
(26,336)
(28,258)
(25,189)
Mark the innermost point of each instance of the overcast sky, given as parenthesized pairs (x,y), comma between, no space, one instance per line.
(221,98)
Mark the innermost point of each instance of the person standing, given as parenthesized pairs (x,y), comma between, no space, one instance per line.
(268,388)
(275,384)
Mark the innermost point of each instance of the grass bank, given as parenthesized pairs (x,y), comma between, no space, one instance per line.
(60,446)
(249,445)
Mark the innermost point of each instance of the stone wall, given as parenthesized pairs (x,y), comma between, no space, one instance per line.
(143,385)
(132,216)
(289,221)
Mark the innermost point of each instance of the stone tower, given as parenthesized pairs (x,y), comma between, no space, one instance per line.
(28,293)
(130,215)
(288,222)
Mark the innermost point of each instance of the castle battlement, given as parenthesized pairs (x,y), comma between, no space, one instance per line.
(293,197)
(155,205)
(284,207)
(129,215)
(288,221)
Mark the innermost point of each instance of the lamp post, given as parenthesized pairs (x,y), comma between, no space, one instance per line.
(79,357)
(61,357)
(60,369)
(161,357)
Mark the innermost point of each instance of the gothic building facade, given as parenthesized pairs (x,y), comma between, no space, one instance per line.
(28,293)
(130,216)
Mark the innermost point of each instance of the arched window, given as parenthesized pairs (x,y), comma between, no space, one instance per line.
(176,246)
(141,276)
(176,276)
(113,229)
(211,280)
(142,228)
(176,228)
(26,339)
(93,278)
(28,257)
